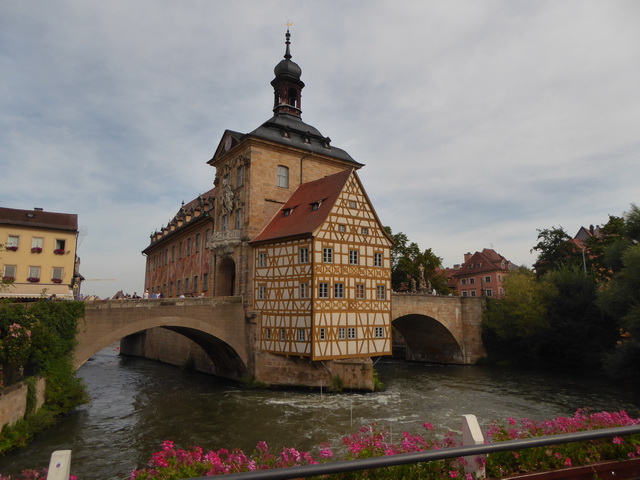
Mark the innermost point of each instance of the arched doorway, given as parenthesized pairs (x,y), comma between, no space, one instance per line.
(225,285)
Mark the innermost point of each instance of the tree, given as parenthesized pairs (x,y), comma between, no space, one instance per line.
(513,325)
(555,248)
(406,259)
(621,299)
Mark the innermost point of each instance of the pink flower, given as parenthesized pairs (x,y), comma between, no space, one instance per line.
(618,440)
(567,462)
(512,421)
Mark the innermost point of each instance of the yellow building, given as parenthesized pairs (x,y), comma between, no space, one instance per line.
(39,253)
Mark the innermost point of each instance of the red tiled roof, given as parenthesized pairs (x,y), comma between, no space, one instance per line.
(302,219)
(486,261)
(39,219)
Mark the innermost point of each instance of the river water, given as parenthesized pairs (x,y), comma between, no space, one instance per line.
(137,404)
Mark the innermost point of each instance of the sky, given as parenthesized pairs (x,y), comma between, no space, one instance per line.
(479,122)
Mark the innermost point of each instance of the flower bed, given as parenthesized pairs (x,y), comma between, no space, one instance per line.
(59,251)
(36,250)
(33,279)
(8,279)
(12,248)
(56,280)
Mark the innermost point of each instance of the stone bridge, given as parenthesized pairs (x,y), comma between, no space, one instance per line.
(438,329)
(428,328)
(215,324)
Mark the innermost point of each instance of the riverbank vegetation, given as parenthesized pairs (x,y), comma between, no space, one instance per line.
(579,307)
(38,340)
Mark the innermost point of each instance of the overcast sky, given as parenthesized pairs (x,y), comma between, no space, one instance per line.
(478,121)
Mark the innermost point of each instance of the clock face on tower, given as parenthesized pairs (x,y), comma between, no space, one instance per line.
(227,144)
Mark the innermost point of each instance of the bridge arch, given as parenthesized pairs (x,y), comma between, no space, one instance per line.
(216,326)
(427,340)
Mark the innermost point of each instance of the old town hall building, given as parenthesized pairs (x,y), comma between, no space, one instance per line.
(290,229)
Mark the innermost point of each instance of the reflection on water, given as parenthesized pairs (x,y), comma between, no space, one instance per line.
(136,404)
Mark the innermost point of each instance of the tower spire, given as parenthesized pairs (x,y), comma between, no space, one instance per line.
(287,86)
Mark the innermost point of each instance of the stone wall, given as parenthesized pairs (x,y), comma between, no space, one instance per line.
(281,370)
(13,401)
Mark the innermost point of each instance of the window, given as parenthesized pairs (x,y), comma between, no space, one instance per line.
(186,285)
(207,238)
(34,272)
(240,176)
(180,250)
(304,290)
(195,284)
(379,332)
(342,228)
(304,255)
(338,290)
(37,242)
(57,273)
(323,290)
(353,257)
(268,333)
(364,231)
(377,259)
(238,219)
(323,334)
(315,206)
(463,281)
(360,290)
(473,293)
(262,259)
(225,222)
(489,292)
(166,256)
(472,281)
(353,204)
(12,241)
(301,335)
(205,282)
(171,289)
(9,271)
(283,176)
(283,334)
(487,279)
(327,255)
(351,333)
(342,333)
(188,247)
(286,212)
(382,292)
(173,253)
(262,292)
(60,244)
(179,288)
(197,245)
(465,294)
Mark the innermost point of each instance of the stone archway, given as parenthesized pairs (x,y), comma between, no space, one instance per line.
(428,340)
(225,284)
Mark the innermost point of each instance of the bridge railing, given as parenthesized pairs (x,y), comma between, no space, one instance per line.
(473,449)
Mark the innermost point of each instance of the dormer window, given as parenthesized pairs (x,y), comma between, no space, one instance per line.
(286,212)
(315,206)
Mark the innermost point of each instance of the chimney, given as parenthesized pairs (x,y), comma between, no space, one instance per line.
(467,256)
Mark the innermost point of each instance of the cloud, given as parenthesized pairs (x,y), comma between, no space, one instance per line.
(477,122)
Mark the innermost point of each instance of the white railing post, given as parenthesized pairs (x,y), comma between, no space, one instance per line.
(472,435)
(60,465)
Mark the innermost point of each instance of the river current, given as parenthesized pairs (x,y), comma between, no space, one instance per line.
(136,404)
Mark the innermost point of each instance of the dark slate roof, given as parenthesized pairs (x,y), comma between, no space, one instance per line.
(38,218)
(302,219)
(290,130)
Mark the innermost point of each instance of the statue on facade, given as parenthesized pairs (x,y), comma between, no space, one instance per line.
(227,195)
(422,285)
